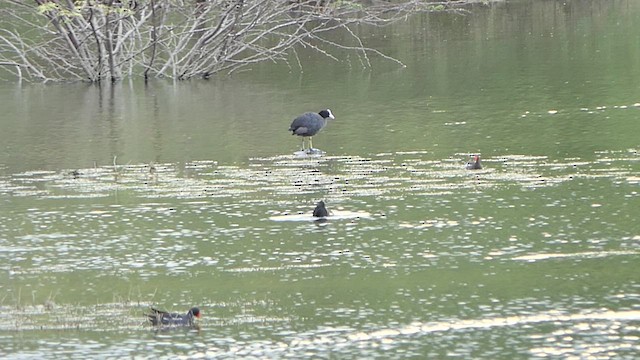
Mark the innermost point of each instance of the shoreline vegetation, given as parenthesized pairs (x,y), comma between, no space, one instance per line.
(109,40)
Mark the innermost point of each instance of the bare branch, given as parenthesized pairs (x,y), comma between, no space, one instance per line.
(99,39)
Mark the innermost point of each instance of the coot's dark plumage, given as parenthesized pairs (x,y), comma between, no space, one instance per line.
(475,164)
(309,124)
(320,210)
(159,317)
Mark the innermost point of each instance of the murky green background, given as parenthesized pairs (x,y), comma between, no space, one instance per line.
(536,255)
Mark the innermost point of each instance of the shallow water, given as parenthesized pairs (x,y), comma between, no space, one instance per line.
(159,196)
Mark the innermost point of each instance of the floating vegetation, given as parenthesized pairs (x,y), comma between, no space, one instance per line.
(334,215)
(277,268)
(425,224)
(51,316)
(390,174)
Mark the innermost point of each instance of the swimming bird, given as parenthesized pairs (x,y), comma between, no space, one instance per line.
(475,165)
(320,210)
(309,124)
(159,317)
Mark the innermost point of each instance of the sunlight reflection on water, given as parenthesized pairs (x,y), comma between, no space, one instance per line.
(441,237)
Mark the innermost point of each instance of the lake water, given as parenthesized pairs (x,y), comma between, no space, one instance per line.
(114,199)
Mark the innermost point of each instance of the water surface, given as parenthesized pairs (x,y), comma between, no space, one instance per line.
(175,195)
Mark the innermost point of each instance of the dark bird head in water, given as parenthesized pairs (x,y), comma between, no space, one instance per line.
(320,210)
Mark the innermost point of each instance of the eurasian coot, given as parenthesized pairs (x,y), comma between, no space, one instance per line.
(309,124)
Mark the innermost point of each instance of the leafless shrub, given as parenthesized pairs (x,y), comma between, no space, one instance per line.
(93,40)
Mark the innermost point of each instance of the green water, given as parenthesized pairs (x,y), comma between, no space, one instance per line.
(191,194)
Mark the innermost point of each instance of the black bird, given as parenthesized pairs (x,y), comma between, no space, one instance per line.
(309,124)
(320,210)
(159,317)
(475,165)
